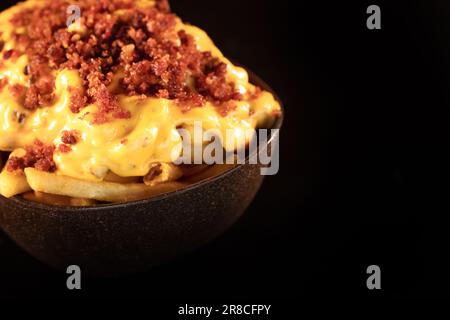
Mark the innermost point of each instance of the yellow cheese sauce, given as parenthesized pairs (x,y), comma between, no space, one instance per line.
(127,147)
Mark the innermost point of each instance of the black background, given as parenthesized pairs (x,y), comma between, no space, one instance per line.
(354,187)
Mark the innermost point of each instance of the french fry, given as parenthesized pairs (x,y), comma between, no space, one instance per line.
(56,200)
(15,182)
(162,173)
(112,177)
(102,191)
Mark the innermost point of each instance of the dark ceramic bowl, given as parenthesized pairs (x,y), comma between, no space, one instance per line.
(131,237)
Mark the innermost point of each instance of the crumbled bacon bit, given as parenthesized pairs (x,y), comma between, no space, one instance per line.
(70,137)
(15,163)
(157,60)
(163,5)
(213,84)
(64,148)
(3,83)
(2,44)
(226,107)
(256,93)
(40,93)
(38,155)
(107,104)
(17,90)
(190,101)
(77,99)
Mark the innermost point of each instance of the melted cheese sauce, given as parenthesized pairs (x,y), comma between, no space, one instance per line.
(126,147)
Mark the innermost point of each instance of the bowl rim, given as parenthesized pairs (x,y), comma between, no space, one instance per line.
(255,79)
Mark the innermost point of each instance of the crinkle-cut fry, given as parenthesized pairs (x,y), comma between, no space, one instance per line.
(162,173)
(55,200)
(102,191)
(14,182)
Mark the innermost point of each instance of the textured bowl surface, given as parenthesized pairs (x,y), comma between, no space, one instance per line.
(131,237)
